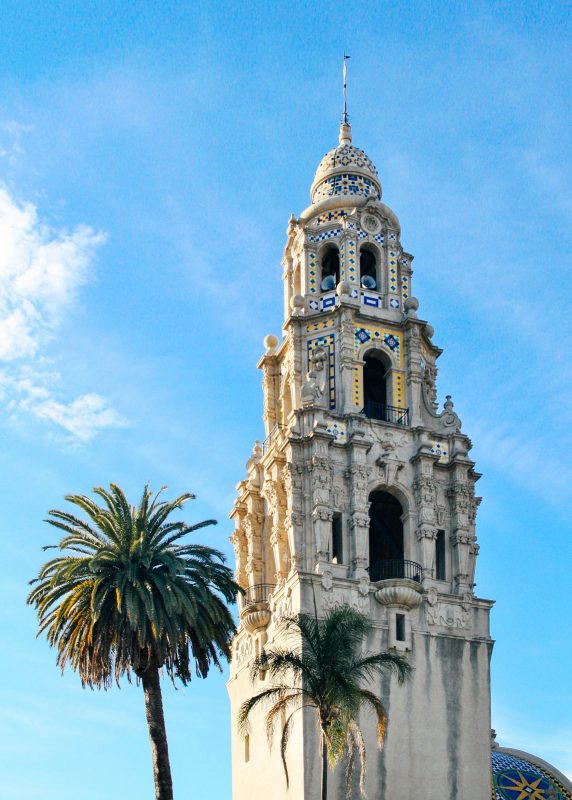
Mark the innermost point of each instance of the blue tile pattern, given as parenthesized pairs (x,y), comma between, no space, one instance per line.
(345,155)
(392,270)
(329,216)
(515,778)
(320,237)
(346,184)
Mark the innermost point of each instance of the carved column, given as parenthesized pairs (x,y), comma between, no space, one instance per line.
(357,476)
(462,539)
(269,366)
(346,354)
(240,546)
(275,497)
(414,375)
(321,480)
(425,492)
(293,480)
(255,560)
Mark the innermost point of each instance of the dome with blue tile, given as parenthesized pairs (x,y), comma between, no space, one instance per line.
(522,776)
(346,171)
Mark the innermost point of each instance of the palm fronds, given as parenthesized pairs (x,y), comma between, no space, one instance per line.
(322,666)
(128,593)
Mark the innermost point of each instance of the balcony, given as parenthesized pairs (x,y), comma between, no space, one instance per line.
(398,582)
(395,568)
(385,413)
(255,611)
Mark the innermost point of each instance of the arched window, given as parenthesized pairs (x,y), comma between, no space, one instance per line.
(385,536)
(376,370)
(368,269)
(330,269)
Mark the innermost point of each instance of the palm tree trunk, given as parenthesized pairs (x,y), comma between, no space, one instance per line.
(324,769)
(157,734)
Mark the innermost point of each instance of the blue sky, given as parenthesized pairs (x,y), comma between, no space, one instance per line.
(150,156)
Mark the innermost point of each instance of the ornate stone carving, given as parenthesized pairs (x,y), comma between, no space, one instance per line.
(447,616)
(311,392)
(327,580)
(256,619)
(370,224)
(430,385)
(243,651)
(399,593)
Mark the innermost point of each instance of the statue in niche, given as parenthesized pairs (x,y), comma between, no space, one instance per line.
(314,387)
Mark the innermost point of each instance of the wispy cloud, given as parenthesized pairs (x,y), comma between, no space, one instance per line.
(42,269)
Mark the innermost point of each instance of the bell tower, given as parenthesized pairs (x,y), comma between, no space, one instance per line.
(363,492)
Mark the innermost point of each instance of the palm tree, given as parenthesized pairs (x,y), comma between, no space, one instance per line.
(128,596)
(324,669)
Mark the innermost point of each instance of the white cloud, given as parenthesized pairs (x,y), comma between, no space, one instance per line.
(41,270)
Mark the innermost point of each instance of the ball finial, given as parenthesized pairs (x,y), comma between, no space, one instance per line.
(270,343)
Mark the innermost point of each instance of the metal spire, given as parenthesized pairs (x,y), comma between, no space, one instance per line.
(345,73)
(345,130)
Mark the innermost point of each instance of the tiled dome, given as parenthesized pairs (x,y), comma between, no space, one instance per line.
(516,777)
(345,170)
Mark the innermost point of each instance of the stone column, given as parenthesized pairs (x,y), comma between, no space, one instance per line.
(357,476)
(425,491)
(293,481)
(463,540)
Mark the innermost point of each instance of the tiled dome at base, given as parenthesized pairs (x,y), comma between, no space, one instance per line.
(517,778)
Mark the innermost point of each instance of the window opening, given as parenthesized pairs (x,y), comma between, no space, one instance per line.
(337,540)
(367,269)
(440,573)
(376,370)
(330,269)
(385,537)
(400,627)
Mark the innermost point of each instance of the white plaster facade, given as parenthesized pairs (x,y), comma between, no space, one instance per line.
(322,459)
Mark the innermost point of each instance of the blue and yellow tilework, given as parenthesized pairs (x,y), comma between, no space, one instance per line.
(392,341)
(312,273)
(339,431)
(404,287)
(322,325)
(392,271)
(330,216)
(518,779)
(327,343)
(321,237)
(351,270)
(441,449)
(347,183)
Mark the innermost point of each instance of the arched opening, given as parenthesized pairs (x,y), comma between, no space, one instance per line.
(368,269)
(376,371)
(385,536)
(330,269)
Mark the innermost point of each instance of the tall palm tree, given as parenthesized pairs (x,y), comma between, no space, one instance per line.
(324,668)
(128,596)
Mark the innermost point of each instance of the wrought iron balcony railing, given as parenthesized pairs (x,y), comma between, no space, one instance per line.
(395,568)
(385,413)
(259,593)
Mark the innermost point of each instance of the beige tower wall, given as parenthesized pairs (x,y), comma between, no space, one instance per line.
(325,456)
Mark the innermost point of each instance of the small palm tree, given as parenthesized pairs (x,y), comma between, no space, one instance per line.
(324,669)
(129,597)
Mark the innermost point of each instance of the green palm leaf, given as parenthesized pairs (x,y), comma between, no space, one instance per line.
(128,595)
(324,668)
